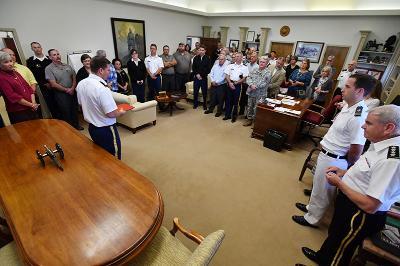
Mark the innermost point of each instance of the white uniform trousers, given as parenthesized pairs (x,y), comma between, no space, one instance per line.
(322,193)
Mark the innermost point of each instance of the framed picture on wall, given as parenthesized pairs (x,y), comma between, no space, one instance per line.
(191,40)
(128,34)
(234,44)
(310,50)
(250,36)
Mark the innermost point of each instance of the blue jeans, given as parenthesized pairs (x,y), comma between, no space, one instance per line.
(154,87)
(197,84)
(232,100)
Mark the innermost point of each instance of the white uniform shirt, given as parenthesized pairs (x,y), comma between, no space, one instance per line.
(96,100)
(342,78)
(346,129)
(153,63)
(234,71)
(377,173)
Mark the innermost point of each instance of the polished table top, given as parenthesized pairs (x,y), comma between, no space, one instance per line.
(98,211)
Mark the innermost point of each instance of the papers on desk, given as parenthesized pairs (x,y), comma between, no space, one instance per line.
(273,101)
(290,102)
(285,96)
(286,110)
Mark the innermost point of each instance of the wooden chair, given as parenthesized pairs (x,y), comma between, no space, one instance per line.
(311,119)
(9,255)
(166,249)
(369,252)
(310,162)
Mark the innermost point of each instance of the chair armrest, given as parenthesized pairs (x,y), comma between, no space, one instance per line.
(317,113)
(192,235)
(318,106)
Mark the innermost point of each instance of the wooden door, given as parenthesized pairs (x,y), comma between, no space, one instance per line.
(282,48)
(340,53)
(211,45)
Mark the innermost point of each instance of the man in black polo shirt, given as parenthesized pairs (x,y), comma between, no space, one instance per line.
(37,63)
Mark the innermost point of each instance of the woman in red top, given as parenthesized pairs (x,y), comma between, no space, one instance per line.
(18,95)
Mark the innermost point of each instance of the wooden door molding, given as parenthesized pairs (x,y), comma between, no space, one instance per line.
(17,44)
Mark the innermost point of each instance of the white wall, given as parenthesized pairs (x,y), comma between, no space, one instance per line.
(330,30)
(72,25)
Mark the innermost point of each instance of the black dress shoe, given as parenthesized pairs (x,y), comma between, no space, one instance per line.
(194,107)
(301,206)
(302,221)
(208,112)
(226,118)
(310,254)
(307,192)
(80,128)
(217,114)
(233,119)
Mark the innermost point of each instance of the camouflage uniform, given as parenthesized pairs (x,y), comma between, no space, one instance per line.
(259,78)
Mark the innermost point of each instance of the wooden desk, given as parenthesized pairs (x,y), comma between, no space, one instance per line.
(267,118)
(98,211)
(369,252)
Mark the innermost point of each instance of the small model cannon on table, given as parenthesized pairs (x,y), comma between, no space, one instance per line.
(52,154)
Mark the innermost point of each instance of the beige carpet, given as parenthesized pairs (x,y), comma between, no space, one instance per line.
(212,175)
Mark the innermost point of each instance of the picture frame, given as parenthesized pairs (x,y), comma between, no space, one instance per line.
(375,73)
(361,71)
(234,44)
(309,50)
(128,34)
(191,40)
(254,45)
(250,36)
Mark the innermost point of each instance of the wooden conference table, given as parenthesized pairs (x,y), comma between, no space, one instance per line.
(98,211)
(269,118)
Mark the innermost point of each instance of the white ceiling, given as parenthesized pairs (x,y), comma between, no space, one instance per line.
(276,7)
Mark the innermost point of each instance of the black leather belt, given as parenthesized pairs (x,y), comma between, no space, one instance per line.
(332,155)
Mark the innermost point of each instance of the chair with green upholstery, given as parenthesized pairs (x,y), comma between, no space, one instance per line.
(166,249)
(9,255)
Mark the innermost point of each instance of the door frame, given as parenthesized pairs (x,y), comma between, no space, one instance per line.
(17,43)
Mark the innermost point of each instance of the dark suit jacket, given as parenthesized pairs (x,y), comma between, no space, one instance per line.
(136,72)
(201,66)
(327,86)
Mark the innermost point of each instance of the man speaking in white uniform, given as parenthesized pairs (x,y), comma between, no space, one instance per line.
(99,108)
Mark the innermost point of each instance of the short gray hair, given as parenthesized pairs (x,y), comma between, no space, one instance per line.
(264,58)
(101,53)
(327,69)
(4,56)
(388,114)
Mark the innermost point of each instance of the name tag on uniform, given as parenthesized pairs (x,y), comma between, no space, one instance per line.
(393,152)
(358,111)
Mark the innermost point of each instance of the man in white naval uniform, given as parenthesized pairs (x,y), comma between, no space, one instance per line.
(341,147)
(366,191)
(346,73)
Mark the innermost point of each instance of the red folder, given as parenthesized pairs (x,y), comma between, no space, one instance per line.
(125,106)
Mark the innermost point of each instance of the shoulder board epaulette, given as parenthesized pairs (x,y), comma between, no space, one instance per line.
(393,152)
(358,111)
